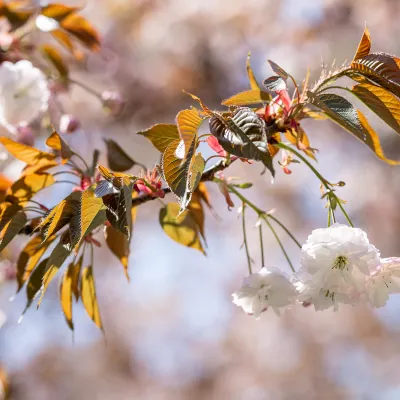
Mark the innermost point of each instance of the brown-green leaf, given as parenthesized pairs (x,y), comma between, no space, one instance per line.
(88,295)
(56,142)
(278,70)
(381,102)
(26,187)
(76,271)
(364,47)
(25,153)
(252,79)
(66,295)
(117,158)
(341,111)
(380,68)
(58,11)
(35,282)
(188,122)
(12,228)
(118,243)
(161,135)
(254,96)
(90,208)
(83,30)
(29,258)
(176,171)
(182,227)
(56,59)
(54,263)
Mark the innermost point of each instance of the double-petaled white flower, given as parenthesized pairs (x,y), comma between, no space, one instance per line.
(335,265)
(263,289)
(384,281)
(23,93)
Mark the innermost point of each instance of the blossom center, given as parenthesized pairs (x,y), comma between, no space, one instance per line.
(340,263)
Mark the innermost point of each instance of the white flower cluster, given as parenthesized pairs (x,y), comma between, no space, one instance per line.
(338,265)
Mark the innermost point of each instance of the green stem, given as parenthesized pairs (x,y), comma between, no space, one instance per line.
(280,243)
(246,246)
(285,229)
(345,213)
(262,247)
(320,177)
(85,87)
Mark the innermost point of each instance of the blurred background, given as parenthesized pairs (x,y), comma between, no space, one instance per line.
(173,332)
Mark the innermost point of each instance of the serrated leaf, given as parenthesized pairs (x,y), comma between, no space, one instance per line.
(59,254)
(29,258)
(7,212)
(196,209)
(254,96)
(12,229)
(83,30)
(118,179)
(118,243)
(176,171)
(196,171)
(203,193)
(364,47)
(180,227)
(26,187)
(381,102)
(56,142)
(278,70)
(252,79)
(105,188)
(25,153)
(161,135)
(244,135)
(275,84)
(35,282)
(41,166)
(341,111)
(126,194)
(381,68)
(90,208)
(117,159)
(58,11)
(56,59)
(88,295)
(76,271)
(188,123)
(66,295)
(64,211)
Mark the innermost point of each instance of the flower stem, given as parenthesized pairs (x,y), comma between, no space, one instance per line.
(280,243)
(83,160)
(262,214)
(285,229)
(262,247)
(246,246)
(324,182)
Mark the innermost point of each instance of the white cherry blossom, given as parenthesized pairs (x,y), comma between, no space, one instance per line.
(23,93)
(335,265)
(384,281)
(263,289)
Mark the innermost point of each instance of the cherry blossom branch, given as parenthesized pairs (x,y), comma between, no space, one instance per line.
(208,175)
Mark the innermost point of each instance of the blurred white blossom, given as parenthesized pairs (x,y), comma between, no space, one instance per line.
(267,287)
(23,93)
(384,281)
(335,264)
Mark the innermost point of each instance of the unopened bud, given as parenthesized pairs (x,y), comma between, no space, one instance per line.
(341,183)
(69,124)
(113,102)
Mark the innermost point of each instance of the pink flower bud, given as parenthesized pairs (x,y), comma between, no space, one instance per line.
(69,124)
(150,184)
(113,102)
